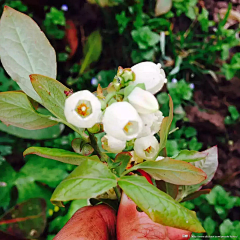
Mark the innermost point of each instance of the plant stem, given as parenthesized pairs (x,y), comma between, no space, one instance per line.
(103,157)
(127,171)
(118,194)
(174,130)
(108,98)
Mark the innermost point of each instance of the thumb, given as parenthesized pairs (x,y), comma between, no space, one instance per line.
(132,224)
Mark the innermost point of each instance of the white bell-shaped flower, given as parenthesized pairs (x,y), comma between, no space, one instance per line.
(151,123)
(143,101)
(146,147)
(112,144)
(151,74)
(83,109)
(122,121)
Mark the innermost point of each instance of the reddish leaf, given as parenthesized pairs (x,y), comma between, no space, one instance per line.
(172,171)
(71,37)
(146,175)
(25,220)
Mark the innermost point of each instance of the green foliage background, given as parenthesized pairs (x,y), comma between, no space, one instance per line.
(128,33)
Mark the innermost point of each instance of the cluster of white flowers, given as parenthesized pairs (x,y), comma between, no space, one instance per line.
(136,118)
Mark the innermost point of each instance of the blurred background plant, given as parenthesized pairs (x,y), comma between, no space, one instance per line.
(197,43)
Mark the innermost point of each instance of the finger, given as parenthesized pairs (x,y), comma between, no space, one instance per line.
(174,233)
(90,223)
(132,224)
(135,225)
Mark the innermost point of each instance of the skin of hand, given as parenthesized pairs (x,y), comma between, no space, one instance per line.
(90,223)
(135,225)
(99,223)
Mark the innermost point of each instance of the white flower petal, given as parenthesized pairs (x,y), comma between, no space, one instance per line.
(158,117)
(143,101)
(122,121)
(151,74)
(151,123)
(112,144)
(146,147)
(89,109)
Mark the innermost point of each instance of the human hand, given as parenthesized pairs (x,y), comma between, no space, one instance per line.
(100,223)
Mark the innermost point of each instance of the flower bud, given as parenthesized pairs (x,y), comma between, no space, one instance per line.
(112,144)
(83,109)
(146,147)
(151,74)
(123,77)
(122,121)
(143,101)
(96,128)
(151,123)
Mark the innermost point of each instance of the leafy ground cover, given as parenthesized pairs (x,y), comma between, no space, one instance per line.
(196,42)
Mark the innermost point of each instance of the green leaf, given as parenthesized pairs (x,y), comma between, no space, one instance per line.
(88,180)
(24,50)
(25,220)
(162,7)
(28,188)
(234,112)
(91,50)
(77,145)
(7,84)
(226,227)
(145,37)
(191,156)
(172,148)
(163,98)
(51,92)
(45,171)
(40,134)
(57,154)
(7,178)
(165,126)
(123,158)
(17,110)
(159,206)
(194,144)
(172,171)
(209,225)
(190,132)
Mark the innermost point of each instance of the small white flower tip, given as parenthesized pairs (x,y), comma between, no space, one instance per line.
(146,147)
(143,101)
(151,74)
(159,158)
(83,109)
(122,121)
(112,144)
